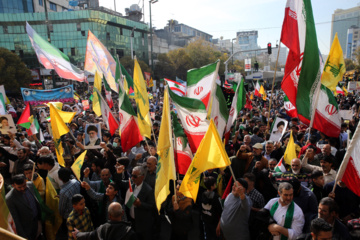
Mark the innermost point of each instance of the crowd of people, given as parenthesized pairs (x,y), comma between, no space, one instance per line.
(261,203)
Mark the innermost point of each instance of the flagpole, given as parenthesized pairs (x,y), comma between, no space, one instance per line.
(347,156)
(273,83)
(315,105)
(33,171)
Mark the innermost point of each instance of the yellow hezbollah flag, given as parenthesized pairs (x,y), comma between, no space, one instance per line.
(96,98)
(262,90)
(142,101)
(345,90)
(166,165)
(52,201)
(290,152)
(252,96)
(67,117)
(210,154)
(59,128)
(76,167)
(58,105)
(334,68)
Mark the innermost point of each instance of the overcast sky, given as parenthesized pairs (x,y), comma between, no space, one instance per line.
(226,17)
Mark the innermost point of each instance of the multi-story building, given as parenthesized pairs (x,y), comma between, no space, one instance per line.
(247,40)
(33,6)
(352,41)
(342,20)
(68,30)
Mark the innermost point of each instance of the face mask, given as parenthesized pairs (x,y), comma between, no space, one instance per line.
(114,144)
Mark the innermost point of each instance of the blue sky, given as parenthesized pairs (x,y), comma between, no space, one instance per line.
(226,17)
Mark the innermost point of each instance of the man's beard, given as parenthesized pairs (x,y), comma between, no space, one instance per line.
(93,140)
(296,172)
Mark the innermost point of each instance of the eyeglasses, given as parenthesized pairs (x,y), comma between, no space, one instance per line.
(134,176)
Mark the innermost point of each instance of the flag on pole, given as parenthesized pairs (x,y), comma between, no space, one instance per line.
(130,198)
(108,117)
(98,59)
(34,126)
(52,202)
(280,167)
(128,78)
(177,87)
(129,130)
(290,152)
(257,89)
(77,165)
(108,94)
(24,118)
(142,102)
(237,104)
(183,155)
(147,78)
(52,58)
(349,171)
(219,111)
(96,98)
(2,105)
(303,68)
(192,113)
(201,82)
(339,91)
(211,154)
(59,128)
(334,68)
(290,108)
(6,220)
(345,90)
(165,170)
(327,117)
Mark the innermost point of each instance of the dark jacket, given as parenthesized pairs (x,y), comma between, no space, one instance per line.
(108,231)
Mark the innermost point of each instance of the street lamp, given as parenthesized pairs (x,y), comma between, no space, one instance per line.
(151,38)
(232,50)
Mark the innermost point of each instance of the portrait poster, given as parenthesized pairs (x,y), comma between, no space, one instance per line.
(278,129)
(7,124)
(93,136)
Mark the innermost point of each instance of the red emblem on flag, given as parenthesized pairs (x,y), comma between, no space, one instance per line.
(179,142)
(121,117)
(331,109)
(192,121)
(198,90)
(232,111)
(216,121)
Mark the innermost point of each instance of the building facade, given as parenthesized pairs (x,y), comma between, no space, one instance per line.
(68,32)
(342,20)
(352,42)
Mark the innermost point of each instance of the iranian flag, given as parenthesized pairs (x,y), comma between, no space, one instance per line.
(183,155)
(349,171)
(280,167)
(219,111)
(2,105)
(177,87)
(257,89)
(109,119)
(52,58)
(303,67)
(339,91)
(201,82)
(129,198)
(237,104)
(108,93)
(289,108)
(192,113)
(327,117)
(129,130)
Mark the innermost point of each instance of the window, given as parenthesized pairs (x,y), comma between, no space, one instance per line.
(5,29)
(121,31)
(21,53)
(78,26)
(53,6)
(120,52)
(112,50)
(64,9)
(108,36)
(41,2)
(82,33)
(61,49)
(72,51)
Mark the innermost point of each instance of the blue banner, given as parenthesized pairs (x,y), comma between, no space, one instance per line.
(41,97)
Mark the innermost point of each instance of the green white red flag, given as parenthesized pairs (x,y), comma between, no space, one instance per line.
(192,113)
(108,117)
(201,82)
(303,67)
(219,111)
(177,87)
(52,58)
(257,89)
(290,108)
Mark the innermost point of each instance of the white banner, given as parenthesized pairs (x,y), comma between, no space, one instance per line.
(248,65)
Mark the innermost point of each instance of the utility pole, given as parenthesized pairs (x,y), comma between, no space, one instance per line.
(151,37)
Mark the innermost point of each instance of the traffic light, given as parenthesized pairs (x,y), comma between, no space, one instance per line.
(269,48)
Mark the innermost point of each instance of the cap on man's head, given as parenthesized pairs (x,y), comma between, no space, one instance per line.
(91,128)
(258,146)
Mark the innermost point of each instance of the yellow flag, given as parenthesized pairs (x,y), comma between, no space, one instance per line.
(290,152)
(166,165)
(210,154)
(76,167)
(345,90)
(334,68)
(264,96)
(252,96)
(142,101)
(67,117)
(52,201)
(96,98)
(262,90)
(59,128)
(58,105)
